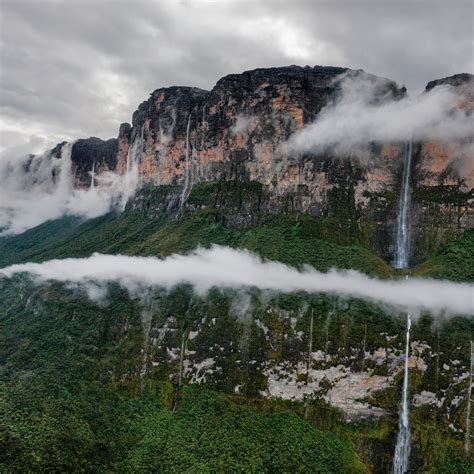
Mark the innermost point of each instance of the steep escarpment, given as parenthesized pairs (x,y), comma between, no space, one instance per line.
(92,154)
(184,137)
(146,353)
(115,378)
(443,187)
(234,133)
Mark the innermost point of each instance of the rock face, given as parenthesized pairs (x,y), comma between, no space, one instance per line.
(443,187)
(92,153)
(234,132)
(458,80)
(266,355)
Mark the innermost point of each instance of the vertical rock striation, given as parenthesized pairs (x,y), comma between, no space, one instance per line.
(234,132)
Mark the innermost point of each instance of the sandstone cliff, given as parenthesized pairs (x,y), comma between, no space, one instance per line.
(187,135)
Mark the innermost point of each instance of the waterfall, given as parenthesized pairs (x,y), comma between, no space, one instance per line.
(402,448)
(402,245)
(132,173)
(92,175)
(308,361)
(65,181)
(467,436)
(186,165)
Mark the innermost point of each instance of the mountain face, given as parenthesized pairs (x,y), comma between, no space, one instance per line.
(235,131)
(119,382)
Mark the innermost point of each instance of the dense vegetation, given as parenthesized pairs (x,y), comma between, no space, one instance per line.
(290,240)
(211,433)
(454,261)
(77,393)
(73,400)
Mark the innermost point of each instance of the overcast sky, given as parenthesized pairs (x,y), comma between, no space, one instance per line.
(78,68)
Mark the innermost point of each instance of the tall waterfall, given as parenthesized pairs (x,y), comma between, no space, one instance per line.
(131,177)
(92,173)
(467,436)
(402,448)
(186,165)
(402,244)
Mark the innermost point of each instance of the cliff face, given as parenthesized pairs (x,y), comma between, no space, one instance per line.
(92,154)
(186,136)
(234,132)
(443,178)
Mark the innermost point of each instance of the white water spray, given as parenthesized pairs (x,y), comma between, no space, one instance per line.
(186,165)
(402,245)
(92,176)
(131,178)
(402,448)
(38,188)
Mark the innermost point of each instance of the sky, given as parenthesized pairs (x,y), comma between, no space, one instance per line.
(78,68)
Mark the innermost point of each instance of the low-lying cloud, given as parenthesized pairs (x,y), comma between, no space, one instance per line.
(38,188)
(356,119)
(228,268)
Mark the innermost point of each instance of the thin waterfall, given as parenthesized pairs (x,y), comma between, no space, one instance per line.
(467,435)
(186,165)
(402,245)
(63,176)
(402,448)
(92,175)
(132,171)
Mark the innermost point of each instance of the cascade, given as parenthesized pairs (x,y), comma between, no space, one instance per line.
(467,435)
(132,172)
(92,175)
(186,165)
(402,448)
(65,180)
(402,243)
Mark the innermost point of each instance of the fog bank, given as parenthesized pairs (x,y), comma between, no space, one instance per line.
(228,268)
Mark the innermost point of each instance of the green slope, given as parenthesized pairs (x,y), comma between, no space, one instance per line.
(71,394)
(72,400)
(455,261)
(287,240)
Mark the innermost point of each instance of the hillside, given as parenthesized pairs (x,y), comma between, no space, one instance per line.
(98,378)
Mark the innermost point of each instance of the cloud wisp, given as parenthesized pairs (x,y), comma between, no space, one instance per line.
(355,119)
(37,188)
(228,268)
